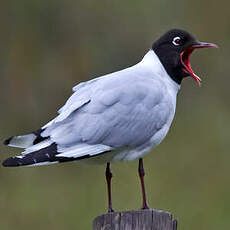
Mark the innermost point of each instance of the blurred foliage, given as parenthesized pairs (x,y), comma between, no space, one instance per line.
(49,46)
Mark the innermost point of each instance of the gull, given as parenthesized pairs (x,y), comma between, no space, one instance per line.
(120,116)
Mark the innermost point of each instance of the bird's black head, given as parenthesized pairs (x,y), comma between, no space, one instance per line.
(174,49)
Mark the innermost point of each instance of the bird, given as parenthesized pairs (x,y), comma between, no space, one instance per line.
(120,116)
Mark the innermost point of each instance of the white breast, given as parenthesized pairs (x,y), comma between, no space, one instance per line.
(129,154)
(172,90)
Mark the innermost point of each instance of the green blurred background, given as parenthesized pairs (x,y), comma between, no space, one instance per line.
(46,47)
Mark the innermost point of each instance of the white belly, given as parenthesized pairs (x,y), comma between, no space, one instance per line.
(132,154)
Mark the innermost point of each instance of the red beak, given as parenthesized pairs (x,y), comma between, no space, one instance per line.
(185,56)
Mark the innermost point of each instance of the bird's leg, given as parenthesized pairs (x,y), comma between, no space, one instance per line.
(141,175)
(109,175)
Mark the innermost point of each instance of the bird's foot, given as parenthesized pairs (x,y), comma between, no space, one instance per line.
(145,206)
(110,210)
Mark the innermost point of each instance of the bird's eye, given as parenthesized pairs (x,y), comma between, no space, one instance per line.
(177,41)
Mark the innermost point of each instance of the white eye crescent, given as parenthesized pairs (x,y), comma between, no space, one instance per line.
(176,41)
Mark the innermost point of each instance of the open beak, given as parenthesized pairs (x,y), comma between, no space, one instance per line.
(185,58)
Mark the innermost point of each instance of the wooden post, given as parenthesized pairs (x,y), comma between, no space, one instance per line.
(136,220)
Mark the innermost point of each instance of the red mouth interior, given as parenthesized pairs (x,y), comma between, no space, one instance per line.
(185,60)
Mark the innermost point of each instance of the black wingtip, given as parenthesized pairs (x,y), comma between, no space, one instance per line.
(7,142)
(39,138)
(11,162)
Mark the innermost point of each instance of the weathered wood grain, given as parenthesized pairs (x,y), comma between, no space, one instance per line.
(135,220)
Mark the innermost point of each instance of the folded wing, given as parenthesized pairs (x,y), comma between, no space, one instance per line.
(120,110)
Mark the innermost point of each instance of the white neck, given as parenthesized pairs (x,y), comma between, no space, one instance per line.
(152,61)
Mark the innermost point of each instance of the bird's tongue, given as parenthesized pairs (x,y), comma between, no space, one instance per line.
(185,58)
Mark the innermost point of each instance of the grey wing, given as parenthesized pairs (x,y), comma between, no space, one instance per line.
(123,109)
(109,116)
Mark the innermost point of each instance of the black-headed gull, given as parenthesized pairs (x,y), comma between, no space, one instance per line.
(119,116)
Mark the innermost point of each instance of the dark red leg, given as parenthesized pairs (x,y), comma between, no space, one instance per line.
(141,175)
(109,175)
